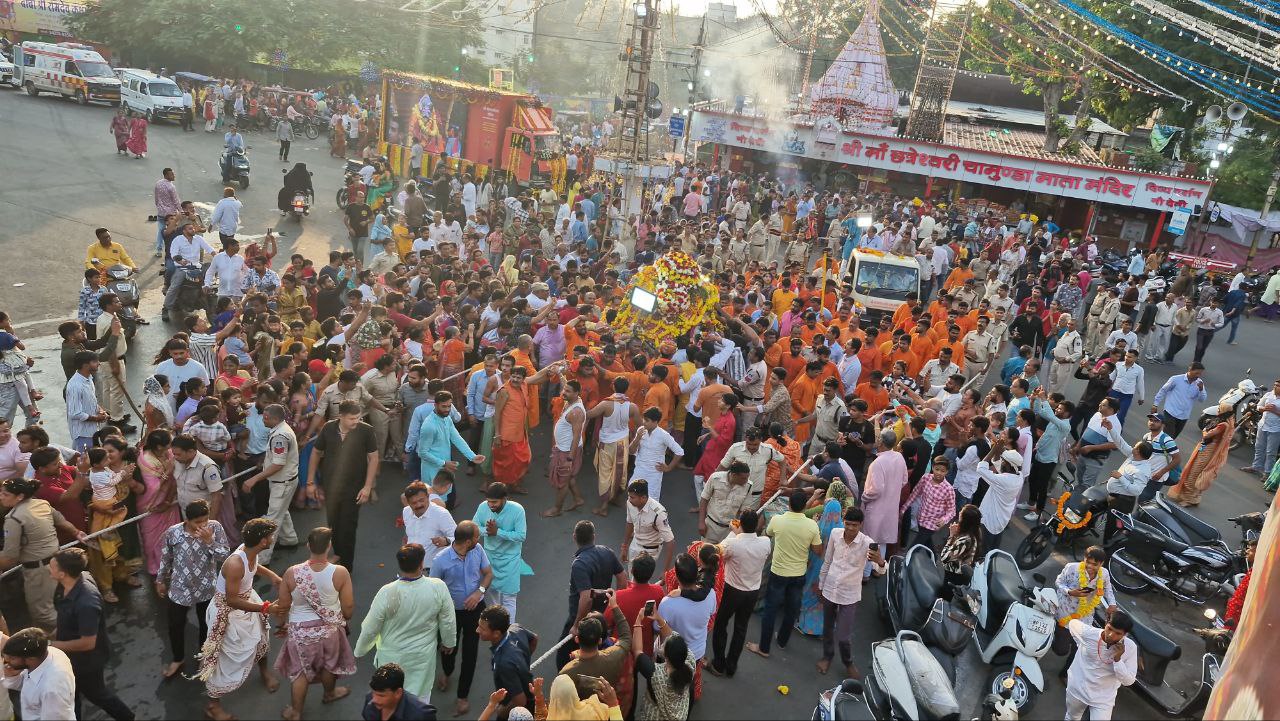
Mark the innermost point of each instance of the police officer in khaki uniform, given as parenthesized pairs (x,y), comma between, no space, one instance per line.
(280,469)
(30,540)
(648,529)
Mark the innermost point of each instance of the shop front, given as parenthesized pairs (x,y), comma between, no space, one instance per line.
(1121,206)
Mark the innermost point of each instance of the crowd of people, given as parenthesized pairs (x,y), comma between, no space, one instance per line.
(819,440)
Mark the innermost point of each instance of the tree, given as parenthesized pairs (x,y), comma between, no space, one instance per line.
(223,37)
(1243,178)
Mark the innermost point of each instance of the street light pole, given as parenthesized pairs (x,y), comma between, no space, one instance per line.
(1262,218)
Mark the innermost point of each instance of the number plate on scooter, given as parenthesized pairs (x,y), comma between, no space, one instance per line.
(1041,626)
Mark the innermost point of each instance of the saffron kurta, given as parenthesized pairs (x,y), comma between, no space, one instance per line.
(406,621)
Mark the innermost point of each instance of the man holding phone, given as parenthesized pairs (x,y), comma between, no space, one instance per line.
(1106,659)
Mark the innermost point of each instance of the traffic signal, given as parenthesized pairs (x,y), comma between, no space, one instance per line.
(238,27)
(530,57)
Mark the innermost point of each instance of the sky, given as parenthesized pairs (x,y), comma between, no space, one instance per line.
(745,7)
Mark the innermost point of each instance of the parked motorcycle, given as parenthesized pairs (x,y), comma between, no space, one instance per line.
(1181,525)
(1155,652)
(235,167)
(915,601)
(121,282)
(1015,626)
(1243,397)
(351,180)
(1077,515)
(1145,558)
(906,682)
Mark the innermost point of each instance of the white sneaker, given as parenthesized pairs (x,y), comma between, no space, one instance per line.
(1033,516)
(1023,506)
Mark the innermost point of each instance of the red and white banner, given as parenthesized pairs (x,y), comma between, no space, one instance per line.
(1074,180)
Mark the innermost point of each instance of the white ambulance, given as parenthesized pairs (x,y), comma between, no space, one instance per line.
(69,69)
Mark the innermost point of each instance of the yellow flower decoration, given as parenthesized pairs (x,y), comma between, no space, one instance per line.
(686,299)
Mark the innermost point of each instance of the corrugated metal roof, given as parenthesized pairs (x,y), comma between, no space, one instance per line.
(1011,141)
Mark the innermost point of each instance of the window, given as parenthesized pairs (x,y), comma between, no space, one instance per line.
(165,90)
(883,280)
(28,60)
(95,69)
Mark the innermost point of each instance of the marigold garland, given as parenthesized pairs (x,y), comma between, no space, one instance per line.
(1062,503)
(686,299)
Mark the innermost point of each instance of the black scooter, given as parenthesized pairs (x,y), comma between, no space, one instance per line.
(1155,652)
(916,600)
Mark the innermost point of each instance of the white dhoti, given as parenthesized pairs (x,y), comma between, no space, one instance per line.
(237,641)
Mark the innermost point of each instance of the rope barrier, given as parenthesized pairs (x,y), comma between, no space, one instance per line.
(551,651)
(122,524)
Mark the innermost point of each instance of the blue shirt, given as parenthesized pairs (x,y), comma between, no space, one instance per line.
(461,574)
(588,209)
(233,141)
(475,394)
(257,431)
(1178,394)
(1164,447)
(1015,405)
(1011,368)
(437,437)
(578,231)
(427,408)
(1050,442)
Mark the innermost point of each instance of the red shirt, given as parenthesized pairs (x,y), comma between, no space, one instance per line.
(51,490)
(631,599)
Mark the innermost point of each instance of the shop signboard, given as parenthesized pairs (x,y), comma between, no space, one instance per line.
(1059,178)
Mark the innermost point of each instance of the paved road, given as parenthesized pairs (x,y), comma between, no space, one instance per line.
(72,182)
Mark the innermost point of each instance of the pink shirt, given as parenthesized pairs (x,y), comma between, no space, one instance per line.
(11,458)
(692,204)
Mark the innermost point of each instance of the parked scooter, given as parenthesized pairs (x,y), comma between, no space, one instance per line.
(842,703)
(907,683)
(1149,559)
(1155,652)
(119,280)
(915,601)
(1015,626)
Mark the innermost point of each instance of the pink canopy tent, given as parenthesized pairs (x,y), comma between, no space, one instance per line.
(856,89)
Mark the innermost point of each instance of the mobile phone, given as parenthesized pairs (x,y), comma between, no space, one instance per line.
(649,607)
(874,546)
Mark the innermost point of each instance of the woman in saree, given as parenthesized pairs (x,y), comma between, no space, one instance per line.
(1207,459)
(157,410)
(138,137)
(453,353)
(790,449)
(710,578)
(302,405)
(789,210)
(838,498)
(156,464)
(380,186)
(120,129)
(119,553)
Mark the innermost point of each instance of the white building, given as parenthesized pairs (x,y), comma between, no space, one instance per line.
(507,34)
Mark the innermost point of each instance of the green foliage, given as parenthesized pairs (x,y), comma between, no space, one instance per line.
(225,36)
(1149,159)
(1244,177)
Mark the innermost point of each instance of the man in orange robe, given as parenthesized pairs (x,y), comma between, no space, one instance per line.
(874,393)
(523,356)
(793,362)
(804,395)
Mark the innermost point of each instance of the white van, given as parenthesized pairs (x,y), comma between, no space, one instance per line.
(882,281)
(151,95)
(68,69)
